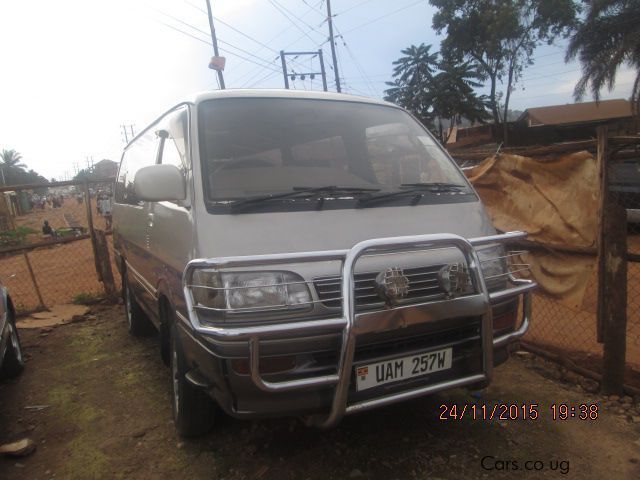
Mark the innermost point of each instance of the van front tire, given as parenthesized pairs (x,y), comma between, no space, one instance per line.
(137,322)
(13,361)
(193,410)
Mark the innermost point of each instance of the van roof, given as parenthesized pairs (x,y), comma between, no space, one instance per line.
(283,93)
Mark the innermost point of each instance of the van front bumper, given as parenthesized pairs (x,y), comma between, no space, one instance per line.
(325,384)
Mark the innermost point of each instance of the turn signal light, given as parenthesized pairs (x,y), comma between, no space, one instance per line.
(505,320)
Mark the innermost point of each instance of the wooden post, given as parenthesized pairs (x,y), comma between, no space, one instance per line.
(612,278)
(614,309)
(33,279)
(104,261)
(92,232)
(601,163)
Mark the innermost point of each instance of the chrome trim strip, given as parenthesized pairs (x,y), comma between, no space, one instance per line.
(409,394)
(284,306)
(496,297)
(272,330)
(186,328)
(142,281)
(250,287)
(499,238)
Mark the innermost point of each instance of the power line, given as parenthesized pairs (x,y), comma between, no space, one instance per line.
(564,93)
(317,9)
(262,44)
(292,23)
(231,27)
(356,63)
(293,14)
(291,20)
(269,75)
(219,40)
(352,7)
(384,16)
(207,42)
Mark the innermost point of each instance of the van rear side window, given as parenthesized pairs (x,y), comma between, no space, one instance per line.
(141,153)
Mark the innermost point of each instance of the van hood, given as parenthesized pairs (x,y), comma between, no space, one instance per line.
(287,232)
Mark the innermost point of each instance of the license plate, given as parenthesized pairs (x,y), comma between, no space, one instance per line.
(397,369)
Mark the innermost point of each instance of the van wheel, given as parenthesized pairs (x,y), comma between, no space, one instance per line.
(137,322)
(193,410)
(13,361)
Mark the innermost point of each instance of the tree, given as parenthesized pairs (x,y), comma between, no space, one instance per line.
(499,36)
(413,80)
(435,89)
(607,38)
(11,159)
(454,96)
(12,170)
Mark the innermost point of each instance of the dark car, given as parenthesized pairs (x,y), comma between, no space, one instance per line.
(11,360)
(624,185)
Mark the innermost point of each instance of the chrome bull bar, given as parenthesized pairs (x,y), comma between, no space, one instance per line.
(347,321)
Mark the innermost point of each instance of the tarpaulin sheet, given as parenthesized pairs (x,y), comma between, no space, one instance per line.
(555,199)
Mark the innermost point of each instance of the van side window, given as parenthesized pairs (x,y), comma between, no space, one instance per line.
(171,155)
(175,150)
(141,153)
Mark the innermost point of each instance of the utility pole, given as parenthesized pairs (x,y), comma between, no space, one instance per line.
(124,130)
(284,69)
(333,46)
(302,75)
(215,43)
(126,135)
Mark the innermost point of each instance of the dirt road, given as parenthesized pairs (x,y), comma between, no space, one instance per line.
(107,415)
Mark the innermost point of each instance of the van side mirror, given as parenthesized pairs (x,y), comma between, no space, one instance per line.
(157,183)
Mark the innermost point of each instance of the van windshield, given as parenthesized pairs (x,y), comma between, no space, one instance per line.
(253,147)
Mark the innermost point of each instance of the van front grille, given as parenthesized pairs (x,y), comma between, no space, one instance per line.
(423,286)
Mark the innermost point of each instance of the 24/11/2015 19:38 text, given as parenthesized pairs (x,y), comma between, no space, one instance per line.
(524,411)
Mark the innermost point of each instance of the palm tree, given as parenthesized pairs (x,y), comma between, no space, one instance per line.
(435,89)
(607,38)
(413,78)
(11,159)
(454,97)
(10,164)
(417,66)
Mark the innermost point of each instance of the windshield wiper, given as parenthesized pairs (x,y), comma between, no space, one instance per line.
(299,192)
(417,190)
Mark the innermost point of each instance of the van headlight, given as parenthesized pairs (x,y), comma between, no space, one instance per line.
(493,264)
(243,292)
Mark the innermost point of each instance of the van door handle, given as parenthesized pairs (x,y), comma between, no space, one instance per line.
(150,218)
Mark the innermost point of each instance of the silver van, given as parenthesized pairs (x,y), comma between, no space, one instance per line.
(308,254)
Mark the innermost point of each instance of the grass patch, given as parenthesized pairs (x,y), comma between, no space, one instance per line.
(86,298)
(15,237)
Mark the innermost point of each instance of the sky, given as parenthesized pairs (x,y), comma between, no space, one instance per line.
(72,72)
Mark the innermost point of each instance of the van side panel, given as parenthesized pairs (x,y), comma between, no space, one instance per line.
(131,221)
(171,247)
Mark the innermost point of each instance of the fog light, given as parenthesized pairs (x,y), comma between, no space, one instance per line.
(455,280)
(267,365)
